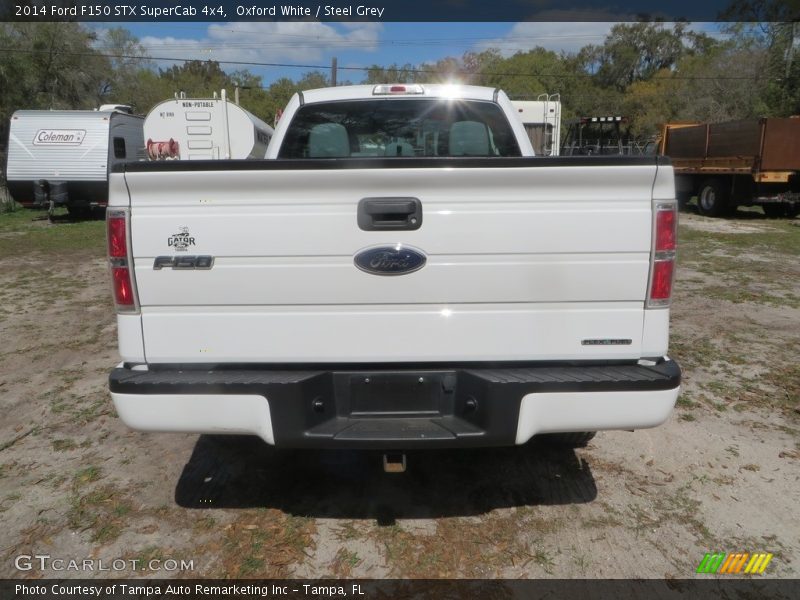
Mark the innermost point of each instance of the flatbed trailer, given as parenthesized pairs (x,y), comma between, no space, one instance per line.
(736,163)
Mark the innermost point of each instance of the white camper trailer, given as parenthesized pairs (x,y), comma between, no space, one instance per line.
(542,121)
(62,157)
(204,128)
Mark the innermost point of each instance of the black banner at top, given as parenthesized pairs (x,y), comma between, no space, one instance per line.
(399,10)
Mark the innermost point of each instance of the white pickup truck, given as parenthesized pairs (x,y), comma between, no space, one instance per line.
(399,272)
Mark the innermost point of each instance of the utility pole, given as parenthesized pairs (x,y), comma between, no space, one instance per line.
(790,50)
(333,71)
(236,95)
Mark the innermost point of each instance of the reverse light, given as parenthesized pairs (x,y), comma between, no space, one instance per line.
(120,260)
(662,254)
(123,290)
(661,287)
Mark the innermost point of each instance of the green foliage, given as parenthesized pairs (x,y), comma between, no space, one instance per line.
(196,78)
(48,65)
(636,52)
(525,74)
(392,74)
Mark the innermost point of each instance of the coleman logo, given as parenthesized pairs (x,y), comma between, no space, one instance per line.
(180,241)
(390,260)
(59,137)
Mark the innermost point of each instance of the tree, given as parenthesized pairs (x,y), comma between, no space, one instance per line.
(635,52)
(649,103)
(525,75)
(773,27)
(197,78)
(723,85)
(128,59)
(313,80)
(48,65)
(51,65)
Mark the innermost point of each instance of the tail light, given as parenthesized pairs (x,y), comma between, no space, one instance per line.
(120,260)
(662,254)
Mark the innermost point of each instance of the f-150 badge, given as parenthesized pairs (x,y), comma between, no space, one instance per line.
(180,241)
(390,260)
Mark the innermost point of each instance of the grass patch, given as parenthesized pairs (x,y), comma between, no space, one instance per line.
(205,524)
(785,378)
(464,548)
(698,352)
(778,236)
(147,554)
(87,475)
(741,294)
(347,531)
(266,543)
(78,409)
(610,517)
(344,562)
(776,388)
(24,231)
(685,509)
(64,445)
(733,262)
(101,511)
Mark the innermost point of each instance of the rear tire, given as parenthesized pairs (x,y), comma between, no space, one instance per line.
(575,439)
(712,199)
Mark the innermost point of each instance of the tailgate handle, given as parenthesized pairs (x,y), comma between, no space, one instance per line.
(381,214)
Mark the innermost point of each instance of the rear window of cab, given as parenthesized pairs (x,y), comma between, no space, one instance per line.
(419,127)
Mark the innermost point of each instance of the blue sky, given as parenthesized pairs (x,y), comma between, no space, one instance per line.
(355,44)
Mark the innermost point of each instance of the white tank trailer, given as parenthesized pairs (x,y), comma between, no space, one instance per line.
(204,128)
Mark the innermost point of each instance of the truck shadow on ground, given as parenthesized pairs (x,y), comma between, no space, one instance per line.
(244,472)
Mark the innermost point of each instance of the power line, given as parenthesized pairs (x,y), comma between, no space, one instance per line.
(379,67)
(319,40)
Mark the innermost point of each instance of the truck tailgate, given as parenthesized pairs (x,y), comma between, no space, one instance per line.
(527,259)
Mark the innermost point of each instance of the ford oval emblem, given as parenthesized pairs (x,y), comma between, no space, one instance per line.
(390,260)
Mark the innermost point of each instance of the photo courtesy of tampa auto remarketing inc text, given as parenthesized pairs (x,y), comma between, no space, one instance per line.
(399,300)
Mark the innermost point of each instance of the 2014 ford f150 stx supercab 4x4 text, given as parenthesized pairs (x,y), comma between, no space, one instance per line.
(399,272)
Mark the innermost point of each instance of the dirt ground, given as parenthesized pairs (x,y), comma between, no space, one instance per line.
(721,475)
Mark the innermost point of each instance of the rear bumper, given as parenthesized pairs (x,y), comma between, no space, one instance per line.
(397,407)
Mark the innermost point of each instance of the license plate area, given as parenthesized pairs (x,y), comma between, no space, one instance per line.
(375,394)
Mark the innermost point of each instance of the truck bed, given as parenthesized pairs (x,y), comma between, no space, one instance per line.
(748,145)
